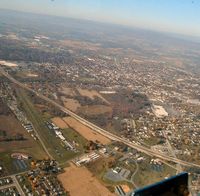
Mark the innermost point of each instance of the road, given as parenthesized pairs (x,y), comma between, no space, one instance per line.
(107,134)
(133,175)
(169,146)
(15,183)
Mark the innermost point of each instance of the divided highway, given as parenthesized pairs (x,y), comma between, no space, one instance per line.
(100,130)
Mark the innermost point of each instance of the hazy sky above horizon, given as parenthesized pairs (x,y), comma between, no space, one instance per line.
(179,16)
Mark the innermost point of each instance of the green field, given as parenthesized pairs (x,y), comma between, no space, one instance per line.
(8,164)
(52,143)
(146,175)
(72,135)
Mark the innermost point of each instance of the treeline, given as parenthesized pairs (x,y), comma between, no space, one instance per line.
(17,137)
(4,110)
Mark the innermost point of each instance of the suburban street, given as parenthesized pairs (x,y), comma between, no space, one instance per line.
(13,184)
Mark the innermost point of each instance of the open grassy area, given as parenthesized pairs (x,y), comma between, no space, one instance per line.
(85,131)
(99,169)
(151,141)
(8,164)
(52,143)
(6,161)
(72,135)
(131,166)
(146,175)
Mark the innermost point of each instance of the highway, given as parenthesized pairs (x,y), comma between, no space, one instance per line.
(100,130)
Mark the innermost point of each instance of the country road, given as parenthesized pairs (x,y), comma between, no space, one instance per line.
(100,130)
(135,172)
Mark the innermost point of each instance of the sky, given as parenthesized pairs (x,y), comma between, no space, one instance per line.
(178,16)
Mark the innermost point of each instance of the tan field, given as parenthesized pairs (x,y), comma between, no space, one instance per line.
(59,122)
(32,75)
(80,44)
(9,64)
(91,94)
(68,91)
(95,109)
(71,104)
(80,181)
(86,132)
(41,107)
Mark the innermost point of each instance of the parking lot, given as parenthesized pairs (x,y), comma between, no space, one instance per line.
(20,165)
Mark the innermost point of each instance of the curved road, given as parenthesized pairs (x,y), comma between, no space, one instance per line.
(100,130)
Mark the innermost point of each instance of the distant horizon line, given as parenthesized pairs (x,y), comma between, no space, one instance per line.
(189,37)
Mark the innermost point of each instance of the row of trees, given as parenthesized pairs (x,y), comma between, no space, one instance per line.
(17,137)
(4,110)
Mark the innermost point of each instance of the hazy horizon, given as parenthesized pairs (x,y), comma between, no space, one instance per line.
(179,17)
(123,26)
